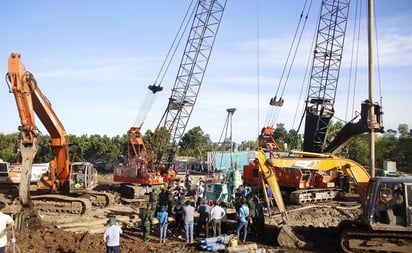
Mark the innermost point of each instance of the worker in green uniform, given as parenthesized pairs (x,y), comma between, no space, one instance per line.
(154,201)
(146,217)
(170,200)
(259,219)
(252,213)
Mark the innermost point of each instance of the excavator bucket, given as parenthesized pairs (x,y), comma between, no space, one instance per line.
(288,238)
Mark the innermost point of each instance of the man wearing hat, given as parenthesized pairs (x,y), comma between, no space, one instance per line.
(111,236)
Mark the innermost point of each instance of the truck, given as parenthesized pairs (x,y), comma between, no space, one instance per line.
(4,171)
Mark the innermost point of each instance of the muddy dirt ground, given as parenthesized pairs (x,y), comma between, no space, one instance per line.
(64,233)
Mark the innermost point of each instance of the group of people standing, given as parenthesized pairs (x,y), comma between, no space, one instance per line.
(215,214)
(161,205)
(167,201)
(250,215)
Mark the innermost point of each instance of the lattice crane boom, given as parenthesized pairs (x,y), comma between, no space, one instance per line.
(192,68)
(325,72)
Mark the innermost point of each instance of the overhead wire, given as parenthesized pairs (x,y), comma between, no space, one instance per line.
(305,83)
(304,87)
(378,67)
(175,44)
(151,95)
(277,101)
(356,36)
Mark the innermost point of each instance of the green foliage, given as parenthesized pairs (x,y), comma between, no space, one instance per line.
(403,130)
(248,145)
(404,155)
(9,147)
(104,151)
(358,150)
(154,140)
(195,143)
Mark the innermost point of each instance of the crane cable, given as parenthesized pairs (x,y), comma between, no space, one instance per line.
(353,65)
(304,87)
(150,96)
(277,101)
(176,42)
(357,38)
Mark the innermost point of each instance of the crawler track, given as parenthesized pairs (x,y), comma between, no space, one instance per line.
(61,204)
(99,199)
(358,240)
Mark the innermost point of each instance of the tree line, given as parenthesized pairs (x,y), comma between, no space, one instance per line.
(105,151)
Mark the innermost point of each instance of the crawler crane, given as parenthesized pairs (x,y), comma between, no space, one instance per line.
(151,168)
(316,174)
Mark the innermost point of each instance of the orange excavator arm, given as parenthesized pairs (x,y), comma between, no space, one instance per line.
(22,93)
(30,100)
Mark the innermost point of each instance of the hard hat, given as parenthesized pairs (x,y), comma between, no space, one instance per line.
(111,221)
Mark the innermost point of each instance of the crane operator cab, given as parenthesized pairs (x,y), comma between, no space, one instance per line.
(81,176)
(392,202)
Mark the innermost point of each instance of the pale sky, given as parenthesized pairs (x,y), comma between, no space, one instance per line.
(94,59)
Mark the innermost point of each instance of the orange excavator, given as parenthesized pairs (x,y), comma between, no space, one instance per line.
(67,187)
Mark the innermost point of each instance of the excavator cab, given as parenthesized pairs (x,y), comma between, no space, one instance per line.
(389,204)
(82,176)
(385,225)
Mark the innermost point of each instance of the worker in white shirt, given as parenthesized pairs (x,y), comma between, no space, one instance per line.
(216,215)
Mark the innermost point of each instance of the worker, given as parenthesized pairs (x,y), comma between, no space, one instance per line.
(181,185)
(163,196)
(179,222)
(199,194)
(162,216)
(216,214)
(242,214)
(245,192)
(170,199)
(189,217)
(396,204)
(154,200)
(224,219)
(188,183)
(270,196)
(252,213)
(146,219)
(204,218)
(259,219)
(111,236)
(6,224)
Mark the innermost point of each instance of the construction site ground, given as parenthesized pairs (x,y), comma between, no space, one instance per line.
(66,233)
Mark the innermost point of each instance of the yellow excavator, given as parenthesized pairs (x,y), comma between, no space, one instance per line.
(376,230)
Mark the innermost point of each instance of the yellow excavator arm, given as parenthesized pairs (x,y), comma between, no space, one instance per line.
(327,163)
